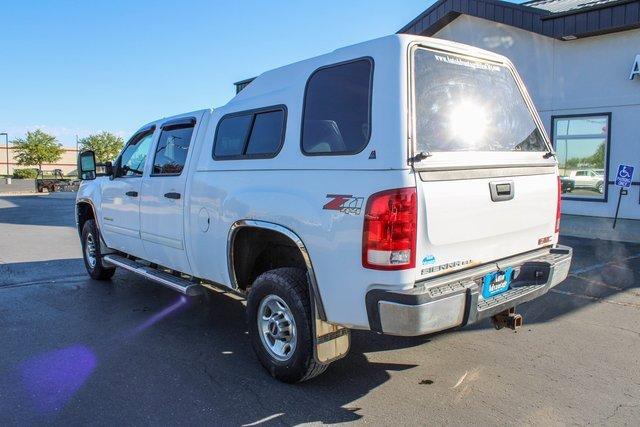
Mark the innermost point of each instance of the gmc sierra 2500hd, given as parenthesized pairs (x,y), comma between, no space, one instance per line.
(403,185)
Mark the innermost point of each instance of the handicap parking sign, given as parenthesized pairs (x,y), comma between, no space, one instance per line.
(624,176)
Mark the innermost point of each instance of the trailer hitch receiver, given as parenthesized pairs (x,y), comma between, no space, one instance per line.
(507,319)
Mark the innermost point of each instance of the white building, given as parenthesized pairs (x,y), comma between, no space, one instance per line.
(577,58)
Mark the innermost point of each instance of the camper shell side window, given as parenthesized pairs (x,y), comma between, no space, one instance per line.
(251,134)
(336,116)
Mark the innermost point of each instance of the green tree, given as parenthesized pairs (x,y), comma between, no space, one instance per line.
(37,148)
(597,158)
(105,145)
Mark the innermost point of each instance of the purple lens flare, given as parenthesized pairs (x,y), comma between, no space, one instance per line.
(52,378)
(172,309)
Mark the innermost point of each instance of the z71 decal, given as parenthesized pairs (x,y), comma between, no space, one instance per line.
(347,204)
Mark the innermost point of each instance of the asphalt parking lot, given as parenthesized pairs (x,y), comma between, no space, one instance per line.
(77,351)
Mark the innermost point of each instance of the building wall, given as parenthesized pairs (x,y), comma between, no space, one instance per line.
(67,162)
(589,75)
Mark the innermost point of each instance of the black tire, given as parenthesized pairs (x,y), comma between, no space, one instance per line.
(600,187)
(290,285)
(96,269)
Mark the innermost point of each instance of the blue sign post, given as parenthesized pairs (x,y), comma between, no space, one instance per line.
(624,177)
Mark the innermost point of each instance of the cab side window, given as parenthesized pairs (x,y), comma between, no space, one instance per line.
(134,155)
(250,134)
(173,146)
(337,109)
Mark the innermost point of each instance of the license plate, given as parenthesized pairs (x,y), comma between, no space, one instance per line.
(496,283)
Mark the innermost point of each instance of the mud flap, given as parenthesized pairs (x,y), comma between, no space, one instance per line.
(330,342)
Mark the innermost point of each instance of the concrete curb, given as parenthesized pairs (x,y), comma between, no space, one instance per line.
(627,230)
(56,195)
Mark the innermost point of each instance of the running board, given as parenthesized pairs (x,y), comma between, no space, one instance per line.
(169,280)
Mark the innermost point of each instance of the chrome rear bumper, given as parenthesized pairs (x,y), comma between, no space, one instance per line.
(455,299)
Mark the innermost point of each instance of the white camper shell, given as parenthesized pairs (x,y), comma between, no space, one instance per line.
(403,185)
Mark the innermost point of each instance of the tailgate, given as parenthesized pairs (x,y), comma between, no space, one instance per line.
(467,222)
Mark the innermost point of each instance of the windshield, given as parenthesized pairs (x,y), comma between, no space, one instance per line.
(465,104)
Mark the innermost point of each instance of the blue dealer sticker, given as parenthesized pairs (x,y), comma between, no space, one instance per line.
(429,259)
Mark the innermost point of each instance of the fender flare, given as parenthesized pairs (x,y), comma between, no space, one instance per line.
(103,246)
(84,200)
(314,292)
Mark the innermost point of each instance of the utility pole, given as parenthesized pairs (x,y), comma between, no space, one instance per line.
(7,148)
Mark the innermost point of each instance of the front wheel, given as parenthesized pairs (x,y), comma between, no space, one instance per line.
(279,317)
(600,187)
(91,253)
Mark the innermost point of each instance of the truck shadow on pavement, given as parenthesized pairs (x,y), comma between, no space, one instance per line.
(600,271)
(46,271)
(37,210)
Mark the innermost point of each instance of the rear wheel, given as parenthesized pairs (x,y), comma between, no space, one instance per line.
(600,187)
(279,317)
(91,253)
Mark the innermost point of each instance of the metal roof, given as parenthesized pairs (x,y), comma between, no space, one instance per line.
(558,6)
(561,19)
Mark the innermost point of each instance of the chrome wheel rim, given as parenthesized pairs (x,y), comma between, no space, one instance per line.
(277,328)
(90,251)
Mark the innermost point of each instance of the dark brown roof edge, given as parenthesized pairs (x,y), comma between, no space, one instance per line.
(461,6)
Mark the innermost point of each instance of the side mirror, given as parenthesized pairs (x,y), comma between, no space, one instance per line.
(87,165)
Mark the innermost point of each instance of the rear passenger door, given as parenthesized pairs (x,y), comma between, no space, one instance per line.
(162,200)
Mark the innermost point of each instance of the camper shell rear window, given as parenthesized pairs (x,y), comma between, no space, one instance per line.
(468,104)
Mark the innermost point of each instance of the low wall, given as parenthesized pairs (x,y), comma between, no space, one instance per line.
(18,186)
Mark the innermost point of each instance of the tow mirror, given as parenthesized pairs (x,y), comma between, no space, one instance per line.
(87,165)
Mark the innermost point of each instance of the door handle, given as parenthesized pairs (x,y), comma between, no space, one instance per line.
(501,191)
(132,193)
(172,195)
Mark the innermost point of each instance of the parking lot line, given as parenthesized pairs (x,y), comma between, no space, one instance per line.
(603,264)
(598,283)
(572,294)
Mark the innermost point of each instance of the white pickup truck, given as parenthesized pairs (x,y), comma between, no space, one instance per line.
(403,185)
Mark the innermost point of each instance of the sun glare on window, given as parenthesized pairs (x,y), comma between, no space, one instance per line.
(468,123)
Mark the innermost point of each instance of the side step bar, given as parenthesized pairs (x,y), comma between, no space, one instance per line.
(170,281)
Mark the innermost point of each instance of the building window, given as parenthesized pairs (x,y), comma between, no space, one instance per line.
(337,109)
(582,147)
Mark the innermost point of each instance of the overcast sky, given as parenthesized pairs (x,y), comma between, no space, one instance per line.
(83,67)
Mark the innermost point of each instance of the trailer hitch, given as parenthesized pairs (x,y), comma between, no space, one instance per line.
(507,319)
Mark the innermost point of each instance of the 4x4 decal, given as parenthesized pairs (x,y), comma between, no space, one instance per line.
(345,203)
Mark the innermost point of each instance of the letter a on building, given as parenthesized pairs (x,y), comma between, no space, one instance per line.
(635,70)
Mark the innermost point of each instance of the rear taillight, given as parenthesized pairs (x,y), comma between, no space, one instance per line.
(559,202)
(389,236)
